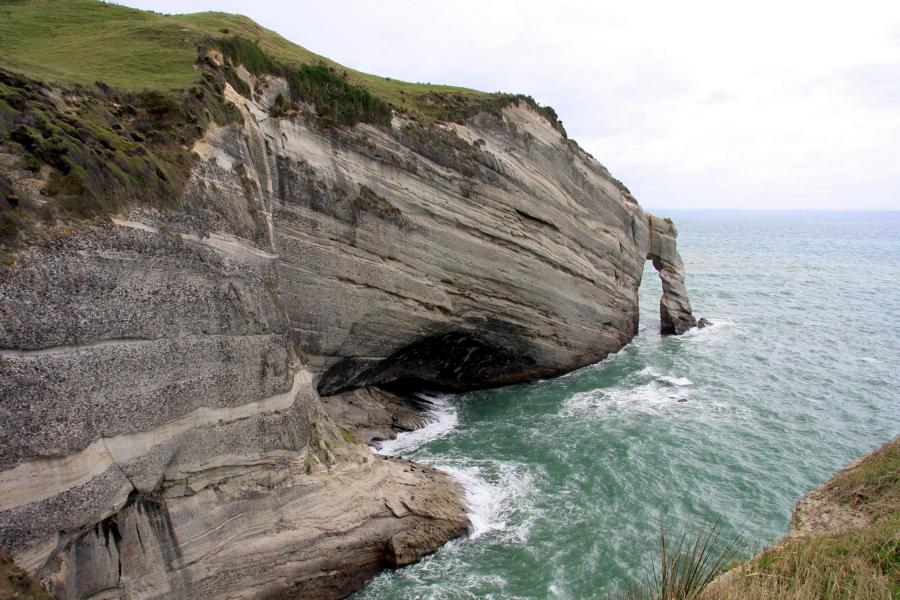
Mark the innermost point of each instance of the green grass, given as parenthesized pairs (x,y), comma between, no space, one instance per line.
(139,91)
(348,436)
(83,41)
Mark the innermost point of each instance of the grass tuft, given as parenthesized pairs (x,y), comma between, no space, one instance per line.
(348,436)
(685,569)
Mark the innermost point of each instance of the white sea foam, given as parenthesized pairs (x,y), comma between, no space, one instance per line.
(441,418)
(556,590)
(489,498)
(716,327)
(484,500)
(497,495)
(654,397)
(677,381)
(670,379)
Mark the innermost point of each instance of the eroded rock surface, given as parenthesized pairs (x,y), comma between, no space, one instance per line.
(161,424)
(372,414)
(675,307)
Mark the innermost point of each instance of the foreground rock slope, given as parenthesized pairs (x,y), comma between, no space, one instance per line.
(163,372)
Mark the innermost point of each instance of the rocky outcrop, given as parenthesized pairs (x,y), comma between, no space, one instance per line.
(162,375)
(372,414)
(674,307)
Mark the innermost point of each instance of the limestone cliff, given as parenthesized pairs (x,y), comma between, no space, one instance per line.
(674,308)
(163,433)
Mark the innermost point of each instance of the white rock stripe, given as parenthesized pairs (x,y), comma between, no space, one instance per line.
(41,479)
(225,244)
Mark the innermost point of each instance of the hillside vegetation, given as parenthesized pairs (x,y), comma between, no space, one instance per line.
(100,104)
(16,584)
(84,41)
(844,542)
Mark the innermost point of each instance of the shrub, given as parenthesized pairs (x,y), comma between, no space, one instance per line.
(109,150)
(336,101)
(242,51)
(458,107)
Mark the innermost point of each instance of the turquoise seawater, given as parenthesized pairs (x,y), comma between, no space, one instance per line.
(567,479)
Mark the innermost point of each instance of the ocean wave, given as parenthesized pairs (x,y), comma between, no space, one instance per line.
(499,498)
(654,397)
(441,418)
(492,490)
(440,576)
(670,379)
(495,494)
(714,328)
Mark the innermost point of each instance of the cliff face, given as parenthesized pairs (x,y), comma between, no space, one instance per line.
(162,428)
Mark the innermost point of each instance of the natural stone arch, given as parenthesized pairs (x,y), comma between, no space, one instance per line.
(674,308)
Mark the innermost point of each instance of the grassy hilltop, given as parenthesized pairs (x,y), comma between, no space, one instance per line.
(101,104)
(84,41)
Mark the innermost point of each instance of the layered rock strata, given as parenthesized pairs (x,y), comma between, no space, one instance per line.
(675,307)
(161,417)
(372,414)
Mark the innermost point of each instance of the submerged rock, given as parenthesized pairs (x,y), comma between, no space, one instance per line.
(703,322)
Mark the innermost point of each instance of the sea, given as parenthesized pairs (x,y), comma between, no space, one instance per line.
(569,481)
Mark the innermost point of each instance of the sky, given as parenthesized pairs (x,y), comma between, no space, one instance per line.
(785,104)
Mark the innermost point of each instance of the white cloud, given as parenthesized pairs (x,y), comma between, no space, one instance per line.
(693,104)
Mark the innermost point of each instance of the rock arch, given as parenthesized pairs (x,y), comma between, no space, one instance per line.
(674,308)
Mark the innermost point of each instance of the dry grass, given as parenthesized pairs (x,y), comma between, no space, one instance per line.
(872,485)
(824,558)
(857,565)
(833,561)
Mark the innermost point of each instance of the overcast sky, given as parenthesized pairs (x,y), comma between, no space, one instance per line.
(786,104)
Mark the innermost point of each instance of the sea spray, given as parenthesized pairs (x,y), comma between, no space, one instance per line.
(440,419)
(487,497)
